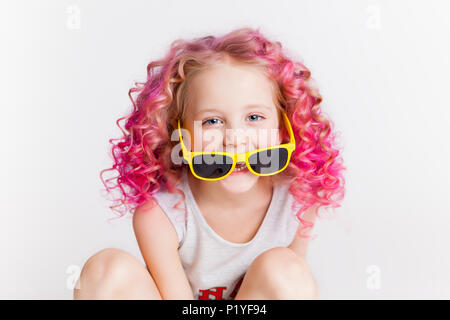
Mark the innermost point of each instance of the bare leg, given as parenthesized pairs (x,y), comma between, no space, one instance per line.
(115,274)
(278,274)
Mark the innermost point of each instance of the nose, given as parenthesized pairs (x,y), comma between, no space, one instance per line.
(236,140)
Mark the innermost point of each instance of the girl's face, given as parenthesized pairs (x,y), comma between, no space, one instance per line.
(232,109)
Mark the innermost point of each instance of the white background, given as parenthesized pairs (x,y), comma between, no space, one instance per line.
(382,68)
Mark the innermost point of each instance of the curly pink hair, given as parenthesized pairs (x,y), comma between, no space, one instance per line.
(142,157)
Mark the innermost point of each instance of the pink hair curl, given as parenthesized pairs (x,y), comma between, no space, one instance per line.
(142,157)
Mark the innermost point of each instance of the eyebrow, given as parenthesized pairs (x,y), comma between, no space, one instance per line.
(249,106)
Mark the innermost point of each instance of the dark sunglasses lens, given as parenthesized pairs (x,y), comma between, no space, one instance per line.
(212,166)
(268,161)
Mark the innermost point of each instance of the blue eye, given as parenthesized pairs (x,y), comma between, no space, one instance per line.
(253,115)
(208,121)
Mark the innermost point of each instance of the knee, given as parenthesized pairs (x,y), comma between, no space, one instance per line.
(286,273)
(280,263)
(107,268)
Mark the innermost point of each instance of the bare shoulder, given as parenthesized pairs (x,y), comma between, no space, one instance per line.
(150,222)
(147,212)
(300,244)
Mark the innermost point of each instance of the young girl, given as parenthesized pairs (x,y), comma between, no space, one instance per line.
(220,205)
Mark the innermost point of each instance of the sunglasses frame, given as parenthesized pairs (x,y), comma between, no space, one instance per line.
(239,157)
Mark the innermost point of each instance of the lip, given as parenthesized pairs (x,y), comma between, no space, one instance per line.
(234,173)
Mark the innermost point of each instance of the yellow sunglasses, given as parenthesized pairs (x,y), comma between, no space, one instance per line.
(266,161)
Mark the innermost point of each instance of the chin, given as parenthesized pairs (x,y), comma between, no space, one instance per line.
(239,183)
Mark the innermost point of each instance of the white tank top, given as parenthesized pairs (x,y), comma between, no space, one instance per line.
(214,266)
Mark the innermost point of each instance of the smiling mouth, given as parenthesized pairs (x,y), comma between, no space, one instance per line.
(240,166)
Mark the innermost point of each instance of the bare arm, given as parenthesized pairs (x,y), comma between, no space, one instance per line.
(158,242)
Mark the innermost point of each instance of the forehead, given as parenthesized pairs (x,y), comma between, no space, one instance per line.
(230,87)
